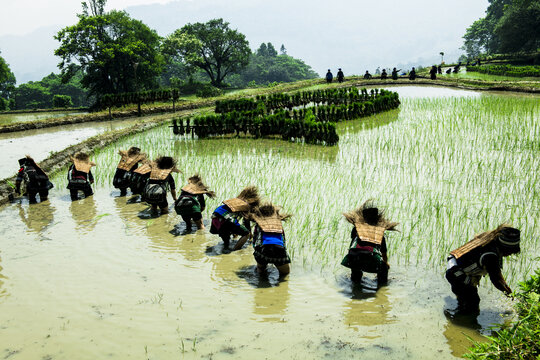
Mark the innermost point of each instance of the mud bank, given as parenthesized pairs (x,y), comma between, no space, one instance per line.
(60,159)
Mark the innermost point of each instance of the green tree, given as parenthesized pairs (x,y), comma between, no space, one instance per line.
(7,83)
(62,101)
(212,47)
(519,27)
(32,95)
(114,52)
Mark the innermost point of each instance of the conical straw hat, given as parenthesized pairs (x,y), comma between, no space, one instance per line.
(127,162)
(143,169)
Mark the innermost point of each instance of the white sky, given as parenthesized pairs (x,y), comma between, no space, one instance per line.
(19,17)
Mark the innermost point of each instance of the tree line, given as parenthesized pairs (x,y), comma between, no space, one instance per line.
(111,53)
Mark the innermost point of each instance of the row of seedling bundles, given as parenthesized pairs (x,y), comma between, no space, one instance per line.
(272,102)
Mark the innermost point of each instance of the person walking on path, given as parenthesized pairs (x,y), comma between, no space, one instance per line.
(340,76)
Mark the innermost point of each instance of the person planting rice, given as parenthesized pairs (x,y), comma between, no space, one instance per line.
(395,73)
(191,204)
(433,73)
(35,180)
(140,177)
(129,161)
(368,251)
(79,176)
(412,74)
(226,218)
(269,239)
(479,257)
(161,180)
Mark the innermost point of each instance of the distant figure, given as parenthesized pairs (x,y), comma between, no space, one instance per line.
(395,73)
(79,176)
(378,71)
(479,257)
(340,75)
(367,75)
(35,180)
(433,72)
(269,239)
(368,251)
(412,74)
(129,161)
(478,63)
(191,204)
(155,192)
(384,75)
(226,217)
(457,67)
(439,69)
(468,62)
(329,76)
(449,71)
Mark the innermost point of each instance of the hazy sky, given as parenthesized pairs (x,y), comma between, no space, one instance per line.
(353,34)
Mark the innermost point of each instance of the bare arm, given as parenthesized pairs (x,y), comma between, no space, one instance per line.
(496,276)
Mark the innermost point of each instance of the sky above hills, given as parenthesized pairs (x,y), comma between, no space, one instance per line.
(354,35)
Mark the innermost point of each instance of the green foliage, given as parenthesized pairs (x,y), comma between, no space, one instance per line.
(62,101)
(141,97)
(509,26)
(520,341)
(7,82)
(32,95)
(114,52)
(208,91)
(4,104)
(507,70)
(212,46)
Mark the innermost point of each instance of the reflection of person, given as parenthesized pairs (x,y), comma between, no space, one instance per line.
(191,204)
(329,76)
(269,239)
(367,251)
(129,161)
(79,176)
(368,309)
(340,75)
(155,192)
(226,218)
(34,178)
(479,257)
(367,75)
(37,217)
(84,212)
(271,302)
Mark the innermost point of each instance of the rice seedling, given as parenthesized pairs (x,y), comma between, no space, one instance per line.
(444,168)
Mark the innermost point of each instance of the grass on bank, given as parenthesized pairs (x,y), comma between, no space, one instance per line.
(522,339)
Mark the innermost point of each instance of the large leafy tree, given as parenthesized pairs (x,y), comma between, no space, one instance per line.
(7,83)
(114,52)
(212,46)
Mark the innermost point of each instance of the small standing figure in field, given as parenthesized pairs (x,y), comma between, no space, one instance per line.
(449,71)
(395,73)
(226,218)
(191,204)
(479,257)
(367,75)
(412,74)
(79,176)
(139,177)
(329,76)
(367,251)
(124,170)
(161,180)
(384,75)
(269,239)
(433,72)
(34,178)
(439,70)
(340,75)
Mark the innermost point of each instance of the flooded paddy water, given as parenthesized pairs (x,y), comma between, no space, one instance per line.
(101,277)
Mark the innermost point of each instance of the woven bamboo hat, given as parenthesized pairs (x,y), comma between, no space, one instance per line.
(505,236)
(196,186)
(245,201)
(145,168)
(370,223)
(268,217)
(162,167)
(82,162)
(130,158)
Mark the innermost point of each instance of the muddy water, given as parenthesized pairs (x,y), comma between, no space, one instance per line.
(72,288)
(12,118)
(41,142)
(102,278)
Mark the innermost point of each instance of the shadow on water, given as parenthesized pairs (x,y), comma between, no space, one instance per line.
(84,212)
(180,229)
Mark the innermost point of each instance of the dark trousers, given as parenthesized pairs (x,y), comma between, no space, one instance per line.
(382,275)
(466,293)
(74,193)
(43,195)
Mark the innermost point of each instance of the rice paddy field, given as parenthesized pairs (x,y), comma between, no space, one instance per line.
(103,278)
(33,116)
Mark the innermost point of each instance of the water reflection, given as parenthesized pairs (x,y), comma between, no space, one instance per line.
(84,212)
(271,302)
(368,309)
(37,217)
(3,292)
